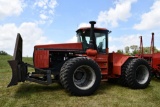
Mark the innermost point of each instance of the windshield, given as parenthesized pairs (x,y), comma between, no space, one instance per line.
(84,37)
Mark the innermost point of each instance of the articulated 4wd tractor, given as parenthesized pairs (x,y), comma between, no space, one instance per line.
(80,67)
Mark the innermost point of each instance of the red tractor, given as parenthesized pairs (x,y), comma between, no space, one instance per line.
(80,67)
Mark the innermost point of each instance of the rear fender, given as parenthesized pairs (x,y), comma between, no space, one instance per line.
(117,60)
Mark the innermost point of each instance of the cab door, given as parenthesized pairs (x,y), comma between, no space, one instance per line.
(102,56)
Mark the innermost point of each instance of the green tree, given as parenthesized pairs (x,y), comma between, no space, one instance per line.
(134,52)
(120,51)
(146,50)
(134,49)
(3,53)
(126,50)
(156,50)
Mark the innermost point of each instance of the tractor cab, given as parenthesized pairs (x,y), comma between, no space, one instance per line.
(100,38)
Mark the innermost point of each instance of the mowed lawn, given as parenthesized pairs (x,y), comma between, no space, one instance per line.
(108,95)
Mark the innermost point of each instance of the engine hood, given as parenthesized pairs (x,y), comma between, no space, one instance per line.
(60,47)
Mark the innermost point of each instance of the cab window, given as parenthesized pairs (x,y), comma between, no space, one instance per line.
(84,37)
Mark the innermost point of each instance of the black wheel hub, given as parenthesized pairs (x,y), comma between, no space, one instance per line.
(79,75)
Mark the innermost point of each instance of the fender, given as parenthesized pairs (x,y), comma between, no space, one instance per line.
(116,62)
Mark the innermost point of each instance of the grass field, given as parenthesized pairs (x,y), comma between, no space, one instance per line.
(108,95)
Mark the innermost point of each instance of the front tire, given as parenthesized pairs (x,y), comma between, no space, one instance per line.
(138,74)
(81,76)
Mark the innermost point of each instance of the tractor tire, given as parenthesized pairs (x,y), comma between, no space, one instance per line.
(138,74)
(80,76)
(58,76)
(122,79)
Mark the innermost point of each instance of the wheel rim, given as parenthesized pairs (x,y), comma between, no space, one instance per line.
(84,77)
(142,74)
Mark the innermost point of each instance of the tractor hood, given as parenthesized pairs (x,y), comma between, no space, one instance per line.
(60,47)
(42,52)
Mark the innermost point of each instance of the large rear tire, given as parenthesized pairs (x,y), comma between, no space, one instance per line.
(138,74)
(81,76)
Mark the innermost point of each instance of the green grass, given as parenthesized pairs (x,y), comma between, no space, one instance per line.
(108,95)
(4,66)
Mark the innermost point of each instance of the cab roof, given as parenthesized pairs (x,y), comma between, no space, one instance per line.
(96,28)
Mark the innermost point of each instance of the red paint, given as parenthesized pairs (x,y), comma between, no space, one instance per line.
(41,58)
(102,61)
(156,62)
(91,52)
(41,52)
(116,61)
(76,46)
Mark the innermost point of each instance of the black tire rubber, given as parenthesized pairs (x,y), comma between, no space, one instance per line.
(138,74)
(58,76)
(122,79)
(68,72)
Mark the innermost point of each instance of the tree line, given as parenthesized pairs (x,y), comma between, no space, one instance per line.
(134,49)
(3,53)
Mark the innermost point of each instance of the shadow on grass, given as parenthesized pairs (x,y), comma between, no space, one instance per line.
(100,91)
(155,79)
(26,89)
(106,86)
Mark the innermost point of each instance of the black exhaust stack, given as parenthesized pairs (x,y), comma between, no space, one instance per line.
(92,42)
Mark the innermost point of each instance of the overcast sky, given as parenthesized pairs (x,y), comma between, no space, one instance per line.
(55,21)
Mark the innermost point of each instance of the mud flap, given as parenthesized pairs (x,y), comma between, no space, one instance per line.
(19,69)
